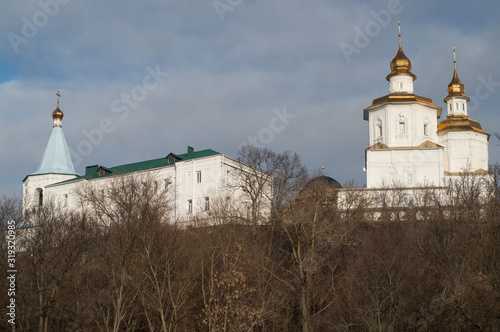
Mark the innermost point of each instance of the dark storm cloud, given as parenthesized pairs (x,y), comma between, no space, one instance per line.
(228,78)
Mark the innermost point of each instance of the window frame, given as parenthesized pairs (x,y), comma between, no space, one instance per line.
(402,127)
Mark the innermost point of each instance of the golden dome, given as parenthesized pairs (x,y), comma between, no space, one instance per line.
(57,115)
(400,64)
(456,87)
(460,123)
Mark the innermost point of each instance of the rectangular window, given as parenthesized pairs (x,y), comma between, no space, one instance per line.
(198,177)
(207,203)
(190,206)
(426,129)
(402,128)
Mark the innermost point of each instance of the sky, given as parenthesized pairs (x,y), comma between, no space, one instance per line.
(141,79)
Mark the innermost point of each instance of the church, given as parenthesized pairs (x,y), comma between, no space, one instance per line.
(408,147)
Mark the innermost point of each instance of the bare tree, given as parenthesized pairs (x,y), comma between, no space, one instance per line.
(266,176)
(124,208)
(55,243)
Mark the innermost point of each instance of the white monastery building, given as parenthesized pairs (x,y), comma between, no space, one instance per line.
(408,147)
(195,178)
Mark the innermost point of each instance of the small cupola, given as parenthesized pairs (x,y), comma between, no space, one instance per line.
(456,99)
(57,115)
(400,78)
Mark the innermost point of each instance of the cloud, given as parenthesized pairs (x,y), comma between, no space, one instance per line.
(226,77)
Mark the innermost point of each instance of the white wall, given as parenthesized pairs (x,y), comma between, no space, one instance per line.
(465,151)
(219,177)
(414,115)
(404,167)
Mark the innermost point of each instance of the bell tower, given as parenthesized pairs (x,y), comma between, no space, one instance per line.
(465,141)
(56,165)
(403,149)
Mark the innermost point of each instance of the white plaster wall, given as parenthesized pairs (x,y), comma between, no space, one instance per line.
(33,182)
(219,176)
(404,167)
(464,151)
(414,115)
(401,83)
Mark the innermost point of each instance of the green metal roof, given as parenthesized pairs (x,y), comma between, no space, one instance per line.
(140,166)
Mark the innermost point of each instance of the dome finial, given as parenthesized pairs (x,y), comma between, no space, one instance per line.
(399,33)
(454,60)
(57,115)
(400,64)
(456,87)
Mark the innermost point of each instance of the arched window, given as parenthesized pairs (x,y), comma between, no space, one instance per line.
(379,128)
(39,194)
(426,127)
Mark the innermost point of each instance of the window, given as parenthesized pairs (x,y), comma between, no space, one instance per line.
(39,192)
(379,127)
(101,172)
(400,85)
(463,107)
(167,183)
(170,160)
(190,206)
(402,127)
(198,177)
(451,106)
(426,129)
(207,203)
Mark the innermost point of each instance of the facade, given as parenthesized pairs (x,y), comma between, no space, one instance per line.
(408,146)
(413,158)
(195,179)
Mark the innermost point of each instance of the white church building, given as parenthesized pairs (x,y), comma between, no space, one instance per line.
(196,179)
(409,147)
(412,154)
